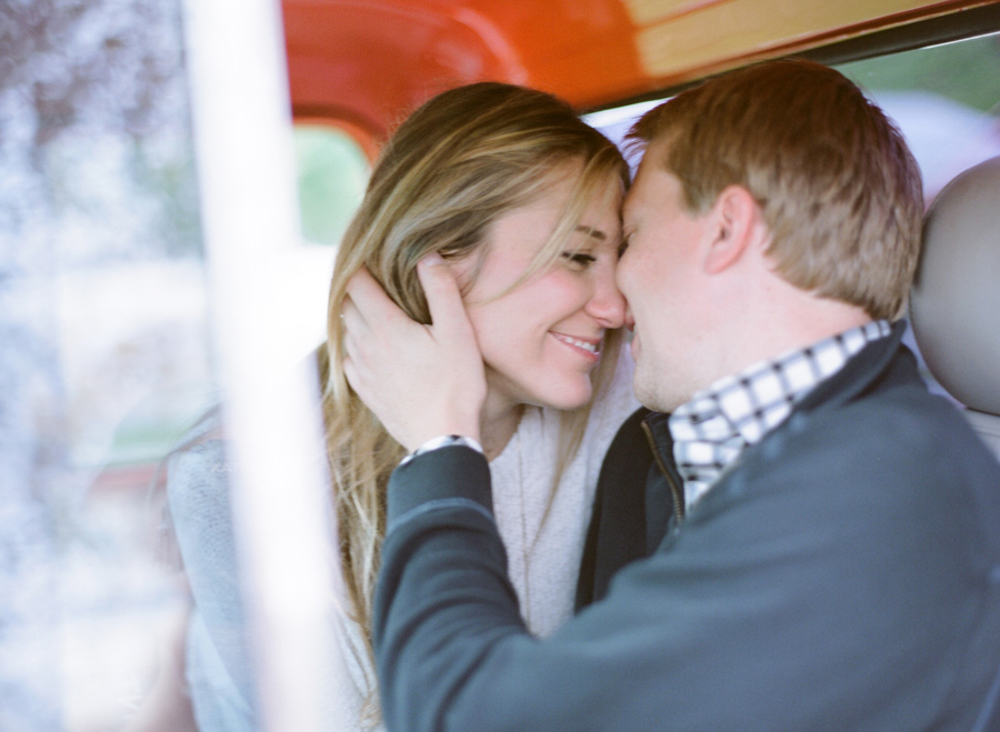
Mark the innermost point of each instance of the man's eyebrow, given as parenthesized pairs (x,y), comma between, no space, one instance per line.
(596,233)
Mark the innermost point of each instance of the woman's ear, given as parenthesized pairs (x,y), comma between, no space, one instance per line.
(735,218)
(465,270)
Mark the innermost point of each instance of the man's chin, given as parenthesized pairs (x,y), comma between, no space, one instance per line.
(647,397)
(654,393)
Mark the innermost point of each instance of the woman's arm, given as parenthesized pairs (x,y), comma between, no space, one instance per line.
(167,706)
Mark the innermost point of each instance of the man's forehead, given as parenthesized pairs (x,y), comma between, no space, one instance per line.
(640,194)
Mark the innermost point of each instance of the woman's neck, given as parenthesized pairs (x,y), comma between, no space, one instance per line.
(498,424)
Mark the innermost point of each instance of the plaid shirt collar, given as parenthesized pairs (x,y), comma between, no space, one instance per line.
(717,424)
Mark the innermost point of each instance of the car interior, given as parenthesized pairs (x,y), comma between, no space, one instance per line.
(119,309)
(955,302)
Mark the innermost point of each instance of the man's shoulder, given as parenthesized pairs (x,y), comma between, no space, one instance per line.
(904,423)
(888,457)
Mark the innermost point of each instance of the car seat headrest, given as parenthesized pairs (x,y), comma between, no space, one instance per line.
(955,300)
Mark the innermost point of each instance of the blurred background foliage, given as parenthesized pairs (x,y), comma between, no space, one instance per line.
(965,71)
(333,171)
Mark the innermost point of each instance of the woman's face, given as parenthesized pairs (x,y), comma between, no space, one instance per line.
(541,340)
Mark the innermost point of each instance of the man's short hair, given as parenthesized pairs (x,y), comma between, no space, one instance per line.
(839,189)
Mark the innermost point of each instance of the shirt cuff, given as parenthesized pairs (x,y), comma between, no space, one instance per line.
(437,443)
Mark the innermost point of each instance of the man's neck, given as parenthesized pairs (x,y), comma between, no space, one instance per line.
(788,320)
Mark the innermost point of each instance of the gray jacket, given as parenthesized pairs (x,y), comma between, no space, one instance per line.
(844,575)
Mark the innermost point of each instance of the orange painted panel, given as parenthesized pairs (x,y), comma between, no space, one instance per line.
(370,61)
(576,48)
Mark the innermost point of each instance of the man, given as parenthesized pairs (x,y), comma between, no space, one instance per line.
(823,552)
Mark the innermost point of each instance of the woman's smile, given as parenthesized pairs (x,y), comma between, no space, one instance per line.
(589,348)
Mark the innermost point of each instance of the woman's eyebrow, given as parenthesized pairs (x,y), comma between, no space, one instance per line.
(595,233)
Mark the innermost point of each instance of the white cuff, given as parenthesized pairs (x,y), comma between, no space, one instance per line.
(437,443)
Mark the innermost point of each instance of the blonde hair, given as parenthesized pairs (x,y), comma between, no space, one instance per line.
(452,168)
(838,187)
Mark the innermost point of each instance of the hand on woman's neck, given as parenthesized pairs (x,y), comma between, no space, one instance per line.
(497,425)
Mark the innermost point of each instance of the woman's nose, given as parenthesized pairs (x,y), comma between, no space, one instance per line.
(607,304)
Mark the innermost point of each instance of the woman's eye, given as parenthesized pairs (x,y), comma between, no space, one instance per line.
(622,246)
(579,260)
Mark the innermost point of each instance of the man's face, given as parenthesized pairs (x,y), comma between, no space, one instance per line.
(661,276)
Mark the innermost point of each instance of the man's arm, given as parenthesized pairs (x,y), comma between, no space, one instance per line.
(812,592)
(782,611)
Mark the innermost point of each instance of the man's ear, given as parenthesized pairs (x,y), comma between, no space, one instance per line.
(735,218)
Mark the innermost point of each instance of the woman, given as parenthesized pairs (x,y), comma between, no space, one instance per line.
(521,199)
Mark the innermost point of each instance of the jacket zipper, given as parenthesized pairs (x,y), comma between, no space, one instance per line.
(675,492)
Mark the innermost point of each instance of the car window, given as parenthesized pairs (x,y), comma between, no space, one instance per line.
(945,99)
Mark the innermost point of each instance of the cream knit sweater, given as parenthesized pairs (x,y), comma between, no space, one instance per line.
(542,529)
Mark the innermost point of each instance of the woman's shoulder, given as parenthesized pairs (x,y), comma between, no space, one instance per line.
(197,472)
(201,449)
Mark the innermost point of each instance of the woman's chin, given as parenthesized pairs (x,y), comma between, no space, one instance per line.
(568,397)
(550,388)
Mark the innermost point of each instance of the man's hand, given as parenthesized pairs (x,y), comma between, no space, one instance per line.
(421,381)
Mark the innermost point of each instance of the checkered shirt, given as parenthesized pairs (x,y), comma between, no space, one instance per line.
(717,424)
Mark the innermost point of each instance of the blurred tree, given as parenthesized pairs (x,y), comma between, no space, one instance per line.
(95,167)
